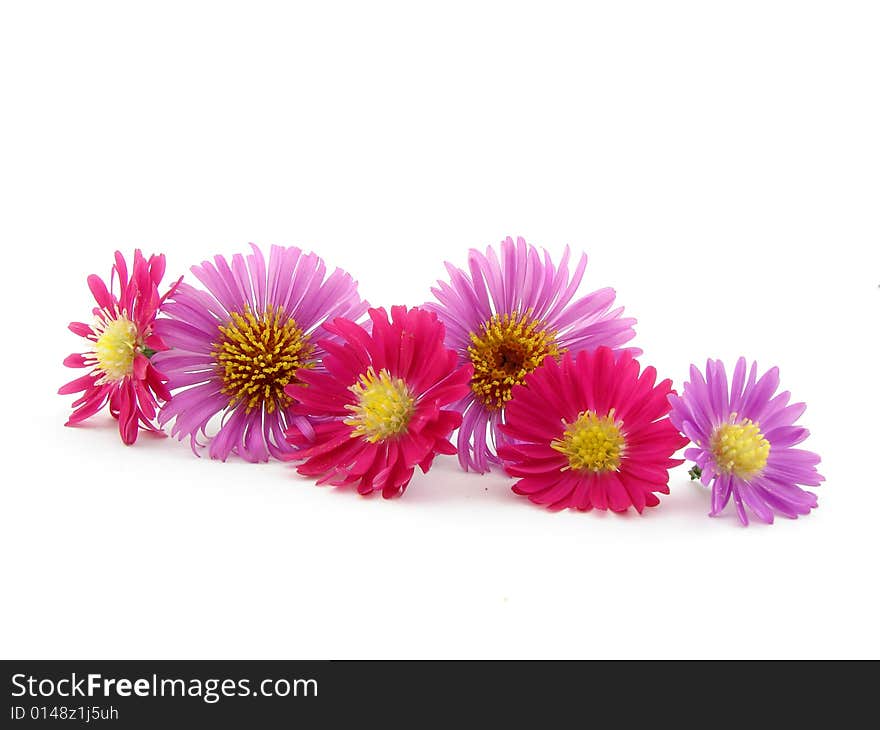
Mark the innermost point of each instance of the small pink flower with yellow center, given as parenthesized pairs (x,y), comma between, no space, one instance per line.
(122,373)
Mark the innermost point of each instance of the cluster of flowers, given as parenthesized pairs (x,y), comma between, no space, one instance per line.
(278,359)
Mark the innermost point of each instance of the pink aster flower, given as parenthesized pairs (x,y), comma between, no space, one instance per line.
(744,436)
(591,432)
(123,341)
(238,345)
(381,402)
(505,315)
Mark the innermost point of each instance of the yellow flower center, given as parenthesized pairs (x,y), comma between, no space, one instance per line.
(740,448)
(384,406)
(506,349)
(592,443)
(258,355)
(116,347)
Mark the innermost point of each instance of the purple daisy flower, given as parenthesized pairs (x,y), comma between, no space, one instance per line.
(236,346)
(743,440)
(504,318)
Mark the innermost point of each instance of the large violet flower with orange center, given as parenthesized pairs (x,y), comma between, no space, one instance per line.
(743,437)
(591,432)
(504,316)
(238,345)
(380,403)
(121,372)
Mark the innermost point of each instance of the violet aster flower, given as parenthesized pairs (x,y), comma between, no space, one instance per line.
(504,317)
(238,345)
(744,438)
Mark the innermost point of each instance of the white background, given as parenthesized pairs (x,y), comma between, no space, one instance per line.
(719,163)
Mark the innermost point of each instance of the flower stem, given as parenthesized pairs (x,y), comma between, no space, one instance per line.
(695,472)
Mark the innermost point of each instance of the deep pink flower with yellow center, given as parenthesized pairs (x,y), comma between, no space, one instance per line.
(591,432)
(123,343)
(743,437)
(380,403)
(504,316)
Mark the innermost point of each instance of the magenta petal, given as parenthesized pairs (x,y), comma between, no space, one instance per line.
(81,329)
(75,386)
(140,366)
(75,360)
(99,291)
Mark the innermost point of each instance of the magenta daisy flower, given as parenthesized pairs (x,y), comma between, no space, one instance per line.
(381,402)
(123,341)
(504,317)
(238,345)
(591,432)
(744,437)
